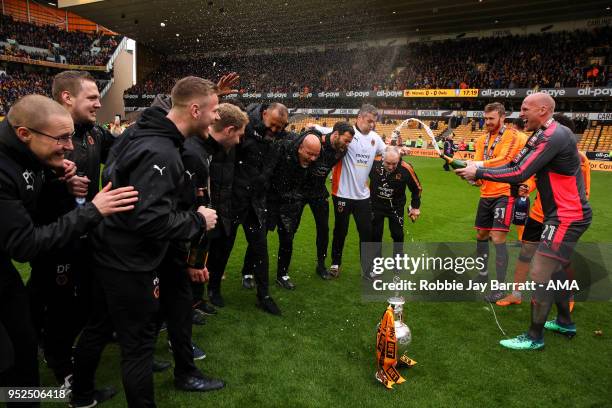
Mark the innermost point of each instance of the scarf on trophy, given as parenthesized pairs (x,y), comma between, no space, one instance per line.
(386,352)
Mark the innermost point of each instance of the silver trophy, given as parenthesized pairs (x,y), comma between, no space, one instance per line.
(402,331)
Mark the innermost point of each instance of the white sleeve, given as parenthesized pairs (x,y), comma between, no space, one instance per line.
(380,145)
(324,130)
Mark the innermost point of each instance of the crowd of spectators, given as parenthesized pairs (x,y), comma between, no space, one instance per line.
(15,84)
(547,60)
(77,47)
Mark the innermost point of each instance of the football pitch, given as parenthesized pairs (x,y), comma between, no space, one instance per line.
(321,351)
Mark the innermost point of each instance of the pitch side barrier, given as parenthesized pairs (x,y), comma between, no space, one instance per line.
(597,165)
(470,93)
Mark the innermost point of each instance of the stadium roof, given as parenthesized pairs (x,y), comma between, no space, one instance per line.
(188,26)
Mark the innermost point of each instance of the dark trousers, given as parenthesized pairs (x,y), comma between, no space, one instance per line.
(19,332)
(320,211)
(218,255)
(446,166)
(60,299)
(362,212)
(396,224)
(175,301)
(255,259)
(127,302)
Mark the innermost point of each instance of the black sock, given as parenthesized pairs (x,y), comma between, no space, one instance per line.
(501,261)
(562,298)
(482,251)
(540,307)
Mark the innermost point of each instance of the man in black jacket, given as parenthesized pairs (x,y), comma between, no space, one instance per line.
(128,251)
(60,282)
(333,149)
(183,262)
(285,199)
(33,138)
(389,178)
(255,158)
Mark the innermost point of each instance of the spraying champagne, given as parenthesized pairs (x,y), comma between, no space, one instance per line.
(454,163)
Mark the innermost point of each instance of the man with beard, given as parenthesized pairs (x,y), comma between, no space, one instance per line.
(255,159)
(129,250)
(285,199)
(60,282)
(494,215)
(34,139)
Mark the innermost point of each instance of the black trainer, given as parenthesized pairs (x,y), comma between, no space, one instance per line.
(160,365)
(198,384)
(285,282)
(268,305)
(216,298)
(197,317)
(207,308)
(494,296)
(322,272)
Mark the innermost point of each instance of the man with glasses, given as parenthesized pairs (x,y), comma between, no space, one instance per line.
(34,139)
(60,282)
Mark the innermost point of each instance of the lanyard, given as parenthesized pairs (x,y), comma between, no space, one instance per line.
(532,141)
(487,153)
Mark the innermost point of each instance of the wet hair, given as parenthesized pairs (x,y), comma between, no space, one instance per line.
(496,107)
(343,127)
(188,88)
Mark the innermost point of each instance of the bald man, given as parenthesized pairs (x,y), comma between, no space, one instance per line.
(34,138)
(552,155)
(286,196)
(389,178)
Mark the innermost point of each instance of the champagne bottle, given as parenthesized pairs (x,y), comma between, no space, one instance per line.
(198,252)
(80,201)
(454,163)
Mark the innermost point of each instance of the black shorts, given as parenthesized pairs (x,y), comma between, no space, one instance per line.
(495,214)
(533,230)
(558,241)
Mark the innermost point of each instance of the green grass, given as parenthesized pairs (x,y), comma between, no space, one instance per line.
(321,351)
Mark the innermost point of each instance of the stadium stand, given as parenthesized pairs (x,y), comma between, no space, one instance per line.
(449,64)
(47,42)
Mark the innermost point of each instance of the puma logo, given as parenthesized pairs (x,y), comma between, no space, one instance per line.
(28,176)
(189,174)
(161,170)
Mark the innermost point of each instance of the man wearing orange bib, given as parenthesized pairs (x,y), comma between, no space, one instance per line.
(498,147)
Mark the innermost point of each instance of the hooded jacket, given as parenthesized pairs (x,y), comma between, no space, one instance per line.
(255,161)
(148,157)
(219,169)
(287,185)
(21,181)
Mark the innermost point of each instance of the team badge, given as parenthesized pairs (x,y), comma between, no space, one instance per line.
(341,205)
(90,140)
(398,176)
(61,279)
(372,142)
(156,288)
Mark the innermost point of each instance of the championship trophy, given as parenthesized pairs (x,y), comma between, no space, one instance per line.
(392,340)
